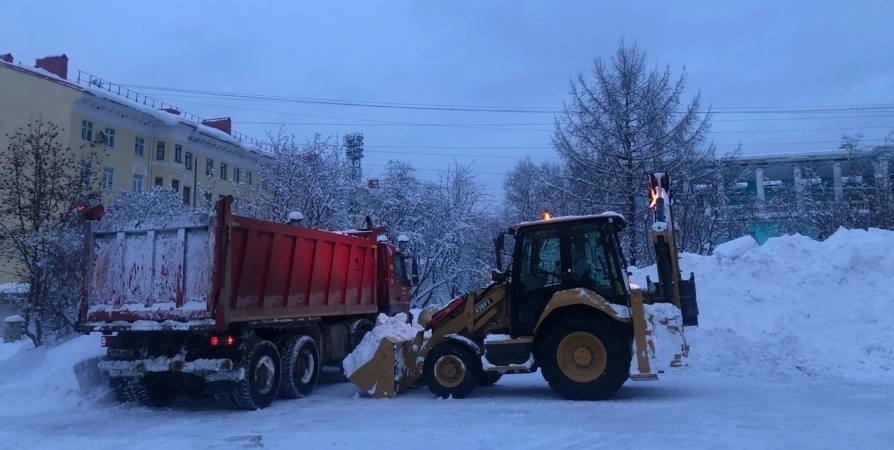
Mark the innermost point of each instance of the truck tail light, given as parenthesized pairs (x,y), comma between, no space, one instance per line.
(104,341)
(222,341)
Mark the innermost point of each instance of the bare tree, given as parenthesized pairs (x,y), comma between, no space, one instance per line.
(629,120)
(45,185)
(530,189)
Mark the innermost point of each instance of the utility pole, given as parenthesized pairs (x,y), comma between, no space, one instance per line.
(354,151)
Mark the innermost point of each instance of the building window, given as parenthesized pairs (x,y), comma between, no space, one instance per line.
(108,178)
(176,185)
(87,130)
(248,177)
(209,167)
(110,137)
(178,153)
(160,150)
(186,195)
(159,181)
(237,175)
(139,145)
(187,161)
(137,182)
(223,171)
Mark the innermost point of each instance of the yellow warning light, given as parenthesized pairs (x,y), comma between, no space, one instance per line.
(544,216)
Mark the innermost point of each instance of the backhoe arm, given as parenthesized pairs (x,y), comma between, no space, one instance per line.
(670,288)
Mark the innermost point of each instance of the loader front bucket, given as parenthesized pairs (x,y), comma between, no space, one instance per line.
(391,370)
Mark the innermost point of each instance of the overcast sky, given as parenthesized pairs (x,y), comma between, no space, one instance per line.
(486,53)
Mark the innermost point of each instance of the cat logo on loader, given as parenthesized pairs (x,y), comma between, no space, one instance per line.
(564,305)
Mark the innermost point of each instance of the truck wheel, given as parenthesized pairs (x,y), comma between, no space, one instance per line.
(148,390)
(451,370)
(263,372)
(300,367)
(489,378)
(585,358)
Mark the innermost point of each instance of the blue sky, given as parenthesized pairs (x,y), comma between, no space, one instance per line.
(486,53)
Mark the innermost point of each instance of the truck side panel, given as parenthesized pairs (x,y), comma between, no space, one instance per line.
(149,271)
(282,272)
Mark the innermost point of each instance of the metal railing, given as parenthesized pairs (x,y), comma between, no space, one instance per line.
(92,81)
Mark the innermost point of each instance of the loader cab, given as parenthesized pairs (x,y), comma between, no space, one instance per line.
(553,255)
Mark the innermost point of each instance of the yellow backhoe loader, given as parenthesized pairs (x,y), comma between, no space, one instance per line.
(565,305)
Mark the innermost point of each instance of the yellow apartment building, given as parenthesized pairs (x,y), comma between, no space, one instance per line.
(146,142)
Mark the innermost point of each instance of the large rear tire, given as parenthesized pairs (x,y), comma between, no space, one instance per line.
(585,358)
(263,374)
(451,370)
(147,390)
(300,367)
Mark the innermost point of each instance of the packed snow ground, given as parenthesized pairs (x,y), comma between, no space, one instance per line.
(794,350)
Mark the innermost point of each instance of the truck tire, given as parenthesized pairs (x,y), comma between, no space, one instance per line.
(300,367)
(489,378)
(585,357)
(451,370)
(263,372)
(147,390)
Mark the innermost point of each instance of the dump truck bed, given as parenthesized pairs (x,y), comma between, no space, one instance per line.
(206,271)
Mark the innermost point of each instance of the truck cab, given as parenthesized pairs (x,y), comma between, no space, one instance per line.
(393,288)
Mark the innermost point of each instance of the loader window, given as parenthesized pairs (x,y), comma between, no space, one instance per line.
(540,261)
(593,264)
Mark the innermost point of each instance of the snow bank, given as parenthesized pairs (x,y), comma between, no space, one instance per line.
(794,307)
(735,248)
(47,379)
(395,327)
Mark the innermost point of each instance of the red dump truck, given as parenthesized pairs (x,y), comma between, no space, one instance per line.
(242,309)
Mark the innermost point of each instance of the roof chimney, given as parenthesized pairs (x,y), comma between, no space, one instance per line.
(7,57)
(224,124)
(56,65)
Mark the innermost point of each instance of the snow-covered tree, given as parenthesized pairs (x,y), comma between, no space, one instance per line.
(312,177)
(44,187)
(159,201)
(449,226)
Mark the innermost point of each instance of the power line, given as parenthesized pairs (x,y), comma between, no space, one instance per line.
(545,147)
(495,109)
(399,123)
(330,124)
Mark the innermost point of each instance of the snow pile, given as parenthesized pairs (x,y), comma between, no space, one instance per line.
(396,328)
(44,379)
(736,248)
(794,307)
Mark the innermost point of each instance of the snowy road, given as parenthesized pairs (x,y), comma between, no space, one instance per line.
(521,412)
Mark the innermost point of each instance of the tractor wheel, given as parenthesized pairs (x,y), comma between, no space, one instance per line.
(585,358)
(300,367)
(489,378)
(451,370)
(263,372)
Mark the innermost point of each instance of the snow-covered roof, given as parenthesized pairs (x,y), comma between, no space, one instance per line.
(13,288)
(163,116)
(605,215)
(172,119)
